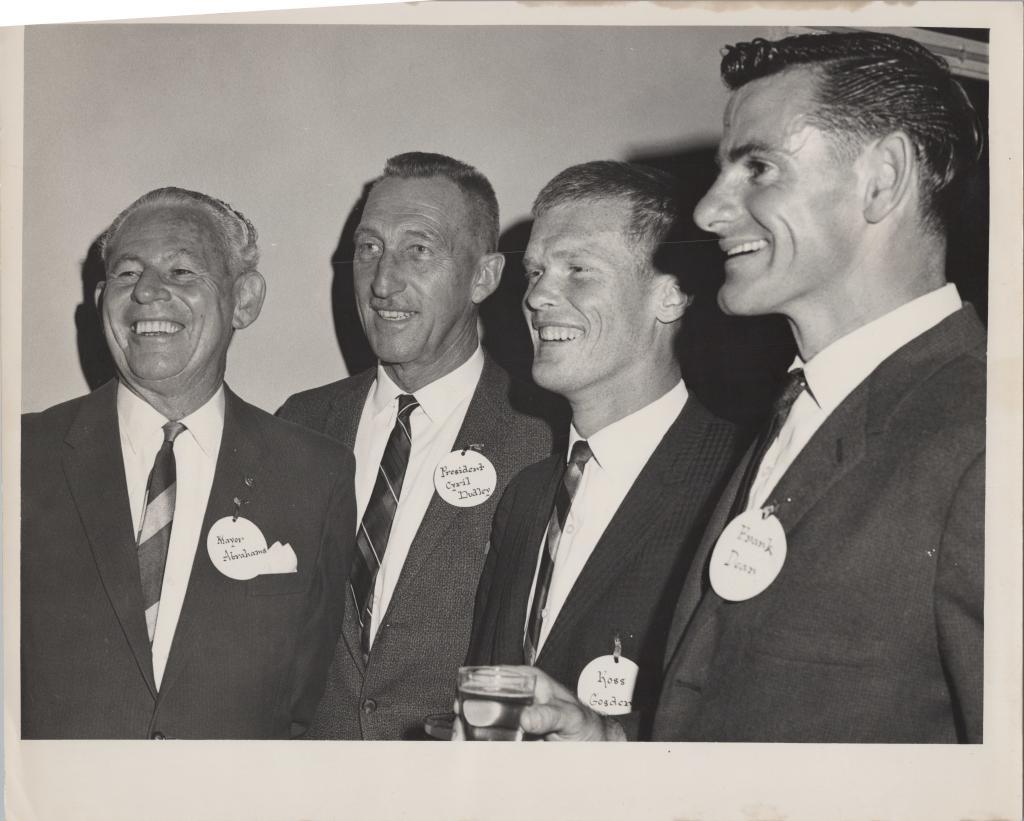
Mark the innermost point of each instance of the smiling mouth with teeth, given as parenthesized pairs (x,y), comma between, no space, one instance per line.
(394,316)
(746,247)
(557,333)
(156,327)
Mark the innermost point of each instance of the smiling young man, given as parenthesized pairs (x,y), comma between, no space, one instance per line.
(588,553)
(842,592)
(150,604)
(435,414)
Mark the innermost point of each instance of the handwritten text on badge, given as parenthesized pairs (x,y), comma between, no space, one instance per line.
(238,549)
(606,685)
(465,478)
(748,556)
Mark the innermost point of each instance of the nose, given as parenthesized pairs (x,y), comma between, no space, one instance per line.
(717,207)
(542,292)
(149,287)
(387,278)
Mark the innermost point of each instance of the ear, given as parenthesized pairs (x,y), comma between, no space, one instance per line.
(890,165)
(488,276)
(97,295)
(672,302)
(249,289)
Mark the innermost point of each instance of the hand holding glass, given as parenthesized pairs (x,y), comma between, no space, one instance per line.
(490,701)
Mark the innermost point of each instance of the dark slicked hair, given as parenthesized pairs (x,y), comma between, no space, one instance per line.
(649,192)
(871,84)
(237,233)
(476,187)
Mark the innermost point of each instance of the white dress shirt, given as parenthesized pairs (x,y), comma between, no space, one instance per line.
(838,369)
(435,424)
(195,459)
(620,450)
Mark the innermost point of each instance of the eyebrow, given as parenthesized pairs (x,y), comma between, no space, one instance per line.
(738,152)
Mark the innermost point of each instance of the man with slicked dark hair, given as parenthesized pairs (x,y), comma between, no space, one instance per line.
(438,429)
(840,587)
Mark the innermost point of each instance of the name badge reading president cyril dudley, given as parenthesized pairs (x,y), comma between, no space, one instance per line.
(748,555)
(465,478)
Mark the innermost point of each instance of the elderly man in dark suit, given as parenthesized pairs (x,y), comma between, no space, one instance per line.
(438,429)
(173,583)
(841,597)
(588,552)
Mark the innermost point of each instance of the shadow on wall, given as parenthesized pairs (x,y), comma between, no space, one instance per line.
(93,355)
(734,365)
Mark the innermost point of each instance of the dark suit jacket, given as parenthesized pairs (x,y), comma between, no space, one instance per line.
(630,583)
(422,640)
(872,632)
(249,658)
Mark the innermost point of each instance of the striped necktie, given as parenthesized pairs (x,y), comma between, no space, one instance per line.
(581,454)
(155,532)
(375,528)
(795,385)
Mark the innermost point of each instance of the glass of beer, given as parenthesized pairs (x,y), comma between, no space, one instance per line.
(490,701)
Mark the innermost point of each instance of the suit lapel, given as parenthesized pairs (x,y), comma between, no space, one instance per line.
(486,418)
(94,468)
(239,457)
(342,420)
(662,484)
(535,510)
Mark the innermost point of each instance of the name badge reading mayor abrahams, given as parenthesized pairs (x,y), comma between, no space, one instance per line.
(465,478)
(238,549)
(748,555)
(606,684)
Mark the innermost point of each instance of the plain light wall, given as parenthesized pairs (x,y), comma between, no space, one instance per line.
(288,123)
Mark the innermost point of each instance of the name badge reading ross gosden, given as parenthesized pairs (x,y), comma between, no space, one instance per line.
(606,685)
(748,556)
(238,549)
(465,478)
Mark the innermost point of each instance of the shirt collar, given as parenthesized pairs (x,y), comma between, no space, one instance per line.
(839,368)
(633,438)
(440,397)
(140,420)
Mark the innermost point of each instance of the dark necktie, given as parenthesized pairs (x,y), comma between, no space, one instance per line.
(375,528)
(794,386)
(581,454)
(155,532)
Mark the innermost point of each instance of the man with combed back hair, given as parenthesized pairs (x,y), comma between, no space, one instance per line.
(840,592)
(590,547)
(438,429)
(174,583)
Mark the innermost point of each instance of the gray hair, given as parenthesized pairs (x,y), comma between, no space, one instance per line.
(238,233)
(474,185)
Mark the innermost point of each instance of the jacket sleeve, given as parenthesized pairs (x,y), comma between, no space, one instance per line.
(959,600)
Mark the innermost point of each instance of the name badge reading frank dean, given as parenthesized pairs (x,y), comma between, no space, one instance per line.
(748,555)
(465,478)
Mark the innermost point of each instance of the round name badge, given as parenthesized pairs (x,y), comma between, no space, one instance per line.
(747,556)
(606,685)
(465,478)
(237,548)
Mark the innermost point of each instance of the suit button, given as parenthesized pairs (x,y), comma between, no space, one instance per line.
(369,705)
(157,735)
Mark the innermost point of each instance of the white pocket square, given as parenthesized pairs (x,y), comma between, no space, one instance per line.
(280,558)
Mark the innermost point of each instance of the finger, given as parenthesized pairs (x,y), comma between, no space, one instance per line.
(546,719)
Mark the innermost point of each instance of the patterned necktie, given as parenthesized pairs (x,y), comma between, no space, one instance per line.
(581,454)
(155,532)
(375,528)
(795,385)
